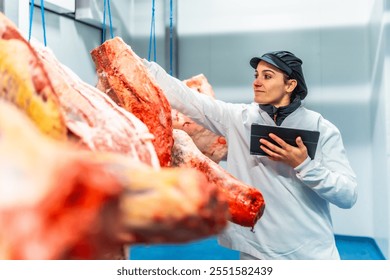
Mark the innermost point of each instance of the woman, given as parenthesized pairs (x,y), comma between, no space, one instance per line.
(297,190)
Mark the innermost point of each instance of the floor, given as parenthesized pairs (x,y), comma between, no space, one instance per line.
(350,248)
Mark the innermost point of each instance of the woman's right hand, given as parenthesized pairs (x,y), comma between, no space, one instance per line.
(286,153)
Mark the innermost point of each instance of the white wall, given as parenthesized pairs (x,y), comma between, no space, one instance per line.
(380,119)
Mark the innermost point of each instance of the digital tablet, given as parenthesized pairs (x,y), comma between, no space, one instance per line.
(289,135)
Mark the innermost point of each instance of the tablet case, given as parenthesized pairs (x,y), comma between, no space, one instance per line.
(289,135)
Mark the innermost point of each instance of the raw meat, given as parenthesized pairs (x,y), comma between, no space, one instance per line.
(246,203)
(201,84)
(173,205)
(24,81)
(52,199)
(126,80)
(123,77)
(67,106)
(60,202)
(211,145)
(94,119)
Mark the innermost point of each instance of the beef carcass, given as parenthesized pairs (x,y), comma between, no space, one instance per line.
(24,81)
(94,119)
(210,144)
(123,77)
(50,202)
(87,115)
(60,202)
(246,203)
(172,205)
(200,84)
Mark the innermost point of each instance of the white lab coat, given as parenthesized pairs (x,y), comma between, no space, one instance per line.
(296,223)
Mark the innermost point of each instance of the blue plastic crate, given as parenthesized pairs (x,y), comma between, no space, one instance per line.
(358,248)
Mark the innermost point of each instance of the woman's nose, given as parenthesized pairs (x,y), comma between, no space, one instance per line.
(257,82)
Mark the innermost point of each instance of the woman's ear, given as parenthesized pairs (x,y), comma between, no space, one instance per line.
(291,85)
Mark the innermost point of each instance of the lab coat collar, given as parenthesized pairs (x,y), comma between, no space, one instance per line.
(278,114)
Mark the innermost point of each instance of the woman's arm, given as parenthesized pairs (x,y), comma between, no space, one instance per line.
(205,110)
(331,177)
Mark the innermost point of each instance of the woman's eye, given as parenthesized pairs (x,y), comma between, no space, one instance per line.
(267,77)
(256,75)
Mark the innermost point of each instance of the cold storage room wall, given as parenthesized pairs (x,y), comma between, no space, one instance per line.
(380,119)
(153,46)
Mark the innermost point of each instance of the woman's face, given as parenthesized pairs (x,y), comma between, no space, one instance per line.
(270,86)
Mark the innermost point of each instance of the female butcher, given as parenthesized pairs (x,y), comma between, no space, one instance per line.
(297,190)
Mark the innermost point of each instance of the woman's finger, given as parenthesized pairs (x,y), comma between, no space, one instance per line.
(278,140)
(271,146)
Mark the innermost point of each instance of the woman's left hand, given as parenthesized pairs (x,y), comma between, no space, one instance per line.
(286,153)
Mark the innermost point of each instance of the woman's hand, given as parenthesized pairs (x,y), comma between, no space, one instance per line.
(286,153)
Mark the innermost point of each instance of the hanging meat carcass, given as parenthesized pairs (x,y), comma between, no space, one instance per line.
(123,77)
(87,115)
(93,118)
(120,69)
(246,203)
(24,81)
(211,145)
(60,202)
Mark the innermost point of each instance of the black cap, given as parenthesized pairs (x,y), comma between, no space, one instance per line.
(289,64)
